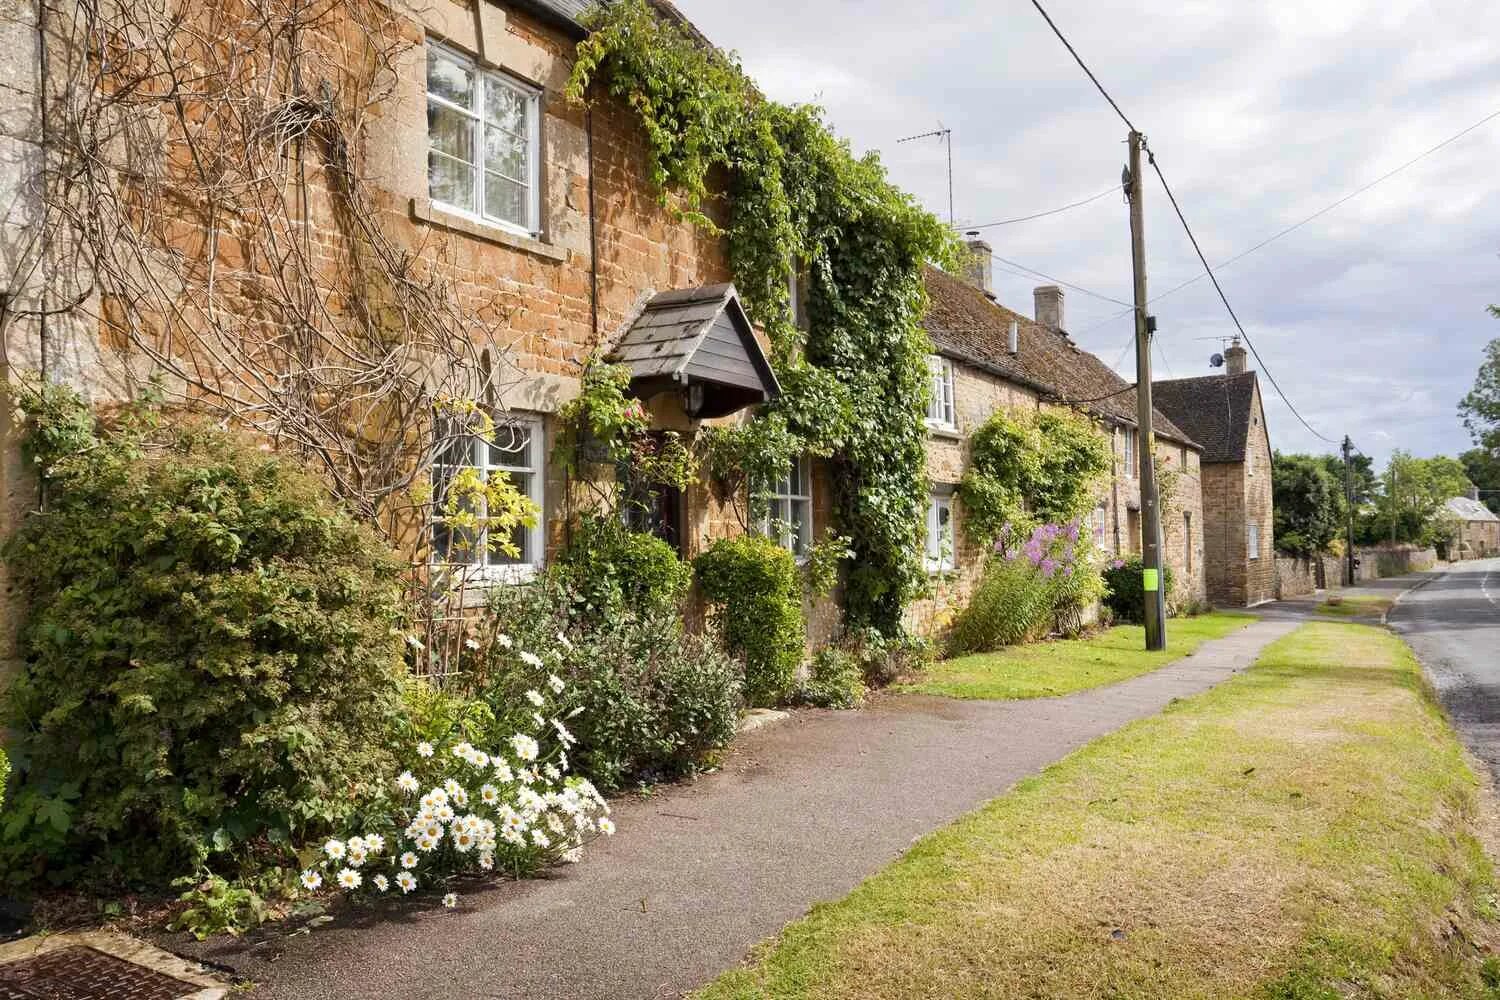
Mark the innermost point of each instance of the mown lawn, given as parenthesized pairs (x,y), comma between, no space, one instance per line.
(1304,831)
(1357,606)
(1045,669)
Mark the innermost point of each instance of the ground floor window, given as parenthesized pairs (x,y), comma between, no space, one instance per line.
(516,453)
(939,533)
(1254,540)
(1187,540)
(788,517)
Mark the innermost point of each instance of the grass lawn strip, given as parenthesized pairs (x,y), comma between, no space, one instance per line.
(1304,831)
(1048,669)
(1357,606)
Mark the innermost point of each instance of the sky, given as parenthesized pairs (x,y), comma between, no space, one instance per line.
(1371,318)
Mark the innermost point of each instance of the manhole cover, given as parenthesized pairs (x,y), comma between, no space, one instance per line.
(86,974)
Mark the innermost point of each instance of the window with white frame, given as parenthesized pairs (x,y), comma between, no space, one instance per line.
(515,453)
(1100,519)
(940,406)
(482,141)
(788,517)
(1130,442)
(1253,540)
(939,554)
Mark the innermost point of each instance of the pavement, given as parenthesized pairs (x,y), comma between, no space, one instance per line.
(1452,623)
(700,873)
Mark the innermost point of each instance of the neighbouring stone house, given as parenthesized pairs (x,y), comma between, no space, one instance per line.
(1225,414)
(1476,531)
(989,358)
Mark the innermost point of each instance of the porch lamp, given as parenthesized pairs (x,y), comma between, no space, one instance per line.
(692,399)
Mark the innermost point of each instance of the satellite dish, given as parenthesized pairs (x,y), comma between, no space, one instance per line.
(1217,361)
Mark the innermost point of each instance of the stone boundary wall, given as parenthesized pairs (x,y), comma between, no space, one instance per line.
(1295,576)
(1378,561)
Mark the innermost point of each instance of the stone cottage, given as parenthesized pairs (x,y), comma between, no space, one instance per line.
(1225,414)
(988,358)
(1476,532)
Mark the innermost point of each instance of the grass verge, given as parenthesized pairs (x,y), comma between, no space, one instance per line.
(1304,831)
(1047,669)
(1356,606)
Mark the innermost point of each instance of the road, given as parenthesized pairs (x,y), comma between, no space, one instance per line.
(1453,625)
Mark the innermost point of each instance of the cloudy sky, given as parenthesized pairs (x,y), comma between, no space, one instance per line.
(1261,113)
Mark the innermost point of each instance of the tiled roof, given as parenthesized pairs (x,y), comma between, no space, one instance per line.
(566,13)
(1468,509)
(1215,409)
(966,325)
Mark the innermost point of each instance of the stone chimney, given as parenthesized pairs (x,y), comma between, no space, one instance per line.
(1049,307)
(1235,358)
(1474,493)
(979,268)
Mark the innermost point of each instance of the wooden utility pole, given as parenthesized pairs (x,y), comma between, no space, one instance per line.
(1348,515)
(1145,326)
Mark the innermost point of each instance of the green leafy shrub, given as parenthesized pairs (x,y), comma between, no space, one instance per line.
(835,680)
(1126,593)
(212,662)
(652,700)
(756,594)
(1046,583)
(884,659)
(216,906)
(611,567)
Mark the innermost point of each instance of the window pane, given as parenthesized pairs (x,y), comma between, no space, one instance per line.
(505,154)
(505,199)
(454,449)
(511,447)
(505,106)
(450,181)
(802,511)
(449,79)
(520,535)
(450,132)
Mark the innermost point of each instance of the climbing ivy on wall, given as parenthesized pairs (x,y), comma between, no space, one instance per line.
(798,200)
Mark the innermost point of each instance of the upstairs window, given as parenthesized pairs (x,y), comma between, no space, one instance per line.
(939,554)
(940,406)
(482,140)
(1253,540)
(1130,442)
(515,454)
(788,517)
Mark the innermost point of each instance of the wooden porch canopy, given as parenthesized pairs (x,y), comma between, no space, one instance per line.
(699,342)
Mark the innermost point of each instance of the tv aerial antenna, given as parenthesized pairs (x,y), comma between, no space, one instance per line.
(944,134)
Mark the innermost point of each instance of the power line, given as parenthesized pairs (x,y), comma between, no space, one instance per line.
(1151,157)
(1058,281)
(1043,215)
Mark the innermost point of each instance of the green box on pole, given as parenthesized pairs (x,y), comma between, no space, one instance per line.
(1149,580)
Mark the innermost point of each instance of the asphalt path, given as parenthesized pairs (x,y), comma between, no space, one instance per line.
(700,873)
(1452,623)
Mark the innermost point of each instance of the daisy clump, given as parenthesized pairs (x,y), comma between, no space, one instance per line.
(459,809)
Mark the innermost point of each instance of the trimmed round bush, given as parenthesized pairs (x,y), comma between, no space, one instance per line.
(1126,596)
(212,653)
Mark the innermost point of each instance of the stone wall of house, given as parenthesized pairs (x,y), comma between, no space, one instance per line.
(1476,540)
(1224,535)
(1182,523)
(1260,567)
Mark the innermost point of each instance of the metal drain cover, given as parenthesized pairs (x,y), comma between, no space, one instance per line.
(81,973)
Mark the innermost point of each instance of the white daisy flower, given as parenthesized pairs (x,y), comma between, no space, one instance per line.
(406,782)
(555,824)
(568,739)
(443,814)
(424,749)
(556,684)
(350,879)
(381,882)
(438,796)
(374,843)
(433,831)
(426,844)
(334,849)
(513,836)
(461,798)
(463,750)
(504,640)
(502,769)
(535,697)
(562,759)
(311,880)
(408,860)
(525,747)
(573,855)
(552,773)
(450,900)
(487,859)
(562,641)
(479,759)
(357,856)
(463,841)
(531,660)
(606,826)
(540,839)
(489,795)
(407,881)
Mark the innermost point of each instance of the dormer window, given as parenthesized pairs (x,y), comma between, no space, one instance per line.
(940,410)
(483,131)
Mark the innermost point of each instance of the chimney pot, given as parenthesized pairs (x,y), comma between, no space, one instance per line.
(1014,340)
(1049,307)
(979,268)
(1236,358)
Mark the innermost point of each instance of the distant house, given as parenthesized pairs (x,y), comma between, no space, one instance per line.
(990,358)
(1225,414)
(1477,530)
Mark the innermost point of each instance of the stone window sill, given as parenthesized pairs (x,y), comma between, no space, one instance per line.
(944,433)
(423,210)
